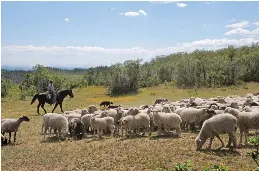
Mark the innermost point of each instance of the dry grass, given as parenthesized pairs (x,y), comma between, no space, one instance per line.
(30,153)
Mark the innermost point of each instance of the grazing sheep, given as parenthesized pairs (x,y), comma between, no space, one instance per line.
(12,125)
(106,103)
(245,121)
(76,128)
(224,123)
(102,123)
(168,120)
(56,121)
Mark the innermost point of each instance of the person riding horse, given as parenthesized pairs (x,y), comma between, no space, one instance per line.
(51,92)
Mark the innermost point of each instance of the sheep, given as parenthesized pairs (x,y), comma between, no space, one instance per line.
(12,125)
(140,120)
(56,121)
(73,115)
(86,121)
(92,109)
(102,123)
(193,115)
(168,120)
(158,101)
(76,129)
(218,124)
(246,121)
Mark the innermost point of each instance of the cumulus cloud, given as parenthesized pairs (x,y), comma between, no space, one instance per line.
(66,19)
(256,23)
(243,32)
(241,24)
(85,56)
(181,5)
(133,14)
(208,3)
(112,9)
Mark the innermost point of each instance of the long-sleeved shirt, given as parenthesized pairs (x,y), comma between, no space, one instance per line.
(51,88)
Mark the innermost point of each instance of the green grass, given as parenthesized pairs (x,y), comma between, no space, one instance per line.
(30,153)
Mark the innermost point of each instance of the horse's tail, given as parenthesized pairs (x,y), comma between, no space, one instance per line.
(34,98)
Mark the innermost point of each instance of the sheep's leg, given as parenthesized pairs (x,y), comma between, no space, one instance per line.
(112,130)
(10,134)
(178,131)
(229,141)
(14,137)
(233,137)
(241,136)
(246,132)
(211,139)
(159,131)
(222,143)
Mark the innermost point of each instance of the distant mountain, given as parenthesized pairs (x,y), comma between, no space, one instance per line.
(12,68)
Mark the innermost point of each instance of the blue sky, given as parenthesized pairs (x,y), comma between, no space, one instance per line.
(86,34)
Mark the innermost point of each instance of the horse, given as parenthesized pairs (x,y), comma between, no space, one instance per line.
(42,98)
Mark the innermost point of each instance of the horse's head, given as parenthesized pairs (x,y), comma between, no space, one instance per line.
(70,93)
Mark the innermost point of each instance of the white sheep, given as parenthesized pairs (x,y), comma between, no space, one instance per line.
(56,121)
(12,125)
(245,121)
(138,121)
(86,121)
(92,109)
(102,123)
(73,115)
(193,115)
(218,124)
(168,120)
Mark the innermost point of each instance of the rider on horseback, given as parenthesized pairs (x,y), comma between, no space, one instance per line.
(51,92)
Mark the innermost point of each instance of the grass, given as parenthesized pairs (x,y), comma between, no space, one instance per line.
(30,153)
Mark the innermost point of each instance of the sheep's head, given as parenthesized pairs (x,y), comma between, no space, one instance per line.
(24,118)
(92,108)
(199,143)
(210,113)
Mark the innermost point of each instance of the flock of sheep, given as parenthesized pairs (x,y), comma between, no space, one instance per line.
(213,116)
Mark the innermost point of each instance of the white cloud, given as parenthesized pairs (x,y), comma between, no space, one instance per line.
(142,12)
(133,14)
(256,23)
(208,3)
(66,19)
(243,32)
(181,5)
(84,56)
(161,2)
(112,9)
(241,24)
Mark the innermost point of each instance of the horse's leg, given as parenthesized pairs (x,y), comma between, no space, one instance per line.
(55,107)
(38,108)
(60,104)
(42,106)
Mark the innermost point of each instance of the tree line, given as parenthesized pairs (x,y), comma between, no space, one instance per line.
(200,68)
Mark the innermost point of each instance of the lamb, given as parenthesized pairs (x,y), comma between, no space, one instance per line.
(102,123)
(218,124)
(76,128)
(12,125)
(140,120)
(56,121)
(168,120)
(193,115)
(246,121)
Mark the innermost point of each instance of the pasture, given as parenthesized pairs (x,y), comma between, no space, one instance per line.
(136,153)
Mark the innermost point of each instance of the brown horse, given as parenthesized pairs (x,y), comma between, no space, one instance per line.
(42,98)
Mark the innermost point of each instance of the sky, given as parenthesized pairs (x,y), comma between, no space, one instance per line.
(89,34)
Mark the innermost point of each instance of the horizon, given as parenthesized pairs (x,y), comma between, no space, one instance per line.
(90,34)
